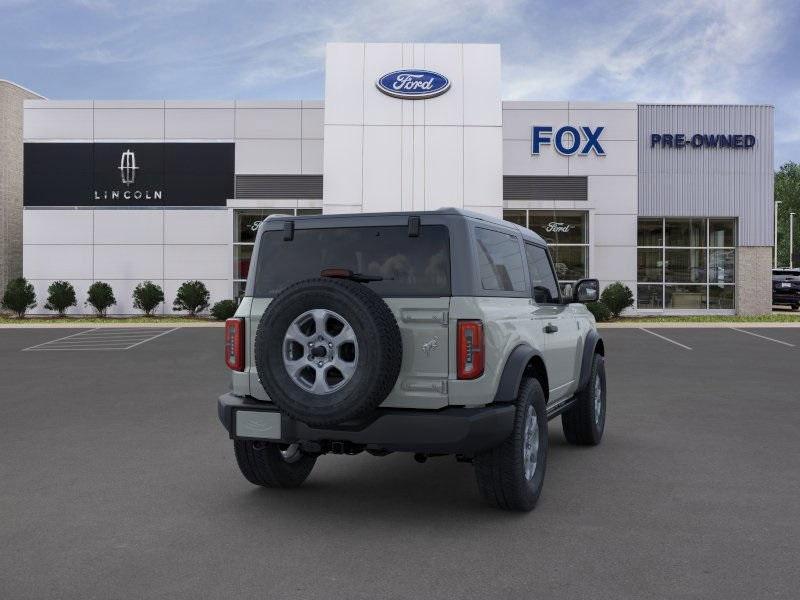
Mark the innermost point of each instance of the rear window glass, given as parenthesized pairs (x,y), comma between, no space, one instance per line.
(784,274)
(500,261)
(410,266)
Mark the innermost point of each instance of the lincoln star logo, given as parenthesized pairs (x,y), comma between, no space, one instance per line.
(127,173)
(430,345)
(413,84)
(127,167)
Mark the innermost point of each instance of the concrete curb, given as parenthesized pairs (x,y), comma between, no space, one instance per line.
(79,325)
(684,325)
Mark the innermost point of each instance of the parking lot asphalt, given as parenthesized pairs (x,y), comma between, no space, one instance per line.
(117,481)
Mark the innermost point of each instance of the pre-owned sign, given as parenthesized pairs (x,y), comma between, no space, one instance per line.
(702,140)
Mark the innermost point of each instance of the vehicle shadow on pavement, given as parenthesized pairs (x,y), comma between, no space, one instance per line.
(371,488)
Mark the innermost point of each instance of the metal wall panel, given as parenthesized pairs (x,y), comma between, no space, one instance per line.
(545,188)
(700,182)
(269,187)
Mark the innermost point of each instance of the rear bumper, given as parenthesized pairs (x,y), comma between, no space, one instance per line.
(788,297)
(451,430)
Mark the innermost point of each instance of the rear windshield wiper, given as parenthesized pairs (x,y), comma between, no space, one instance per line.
(337,273)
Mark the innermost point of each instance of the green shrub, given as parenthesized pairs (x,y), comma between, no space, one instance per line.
(192,296)
(617,297)
(19,297)
(101,297)
(224,309)
(147,296)
(600,311)
(60,296)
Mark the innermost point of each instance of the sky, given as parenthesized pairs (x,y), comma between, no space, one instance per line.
(712,51)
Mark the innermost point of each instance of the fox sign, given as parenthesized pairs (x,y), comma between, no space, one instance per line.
(568,140)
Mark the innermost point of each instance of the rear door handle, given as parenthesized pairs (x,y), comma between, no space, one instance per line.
(550,328)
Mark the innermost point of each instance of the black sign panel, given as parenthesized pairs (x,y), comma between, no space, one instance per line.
(58,174)
(128,174)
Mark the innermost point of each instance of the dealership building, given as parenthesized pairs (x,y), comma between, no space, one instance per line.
(674,200)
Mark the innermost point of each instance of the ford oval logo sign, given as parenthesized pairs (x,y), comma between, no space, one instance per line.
(413,84)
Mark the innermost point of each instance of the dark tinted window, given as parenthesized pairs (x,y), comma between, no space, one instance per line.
(785,274)
(500,261)
(543,281)
(410,266)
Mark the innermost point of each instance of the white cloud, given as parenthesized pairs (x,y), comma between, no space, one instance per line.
(679,50)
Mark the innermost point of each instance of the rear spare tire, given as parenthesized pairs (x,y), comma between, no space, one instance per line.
(327,351)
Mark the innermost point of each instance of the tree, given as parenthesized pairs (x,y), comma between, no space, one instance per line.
(147,296)
(224,309)
(192,296)
(617,297)
(600,311)
(787,191)
(60,296)
(101,297)
(19,296)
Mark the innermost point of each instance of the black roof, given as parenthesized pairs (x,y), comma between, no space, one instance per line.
(459,212)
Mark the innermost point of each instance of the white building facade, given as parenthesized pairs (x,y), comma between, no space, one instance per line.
(674,201)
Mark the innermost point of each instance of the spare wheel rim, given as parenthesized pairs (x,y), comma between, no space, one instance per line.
(320,351)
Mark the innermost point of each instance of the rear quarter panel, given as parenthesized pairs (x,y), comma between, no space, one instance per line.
(507,324)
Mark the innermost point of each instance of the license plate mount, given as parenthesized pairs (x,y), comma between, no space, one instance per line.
(258,424)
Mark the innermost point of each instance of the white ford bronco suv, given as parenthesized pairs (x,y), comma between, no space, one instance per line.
(435,333)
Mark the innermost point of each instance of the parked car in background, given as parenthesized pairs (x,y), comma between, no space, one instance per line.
(786,287)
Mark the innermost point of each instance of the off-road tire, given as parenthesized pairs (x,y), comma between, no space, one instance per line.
(262,464)
(380,351)
(581,424)
(501,471)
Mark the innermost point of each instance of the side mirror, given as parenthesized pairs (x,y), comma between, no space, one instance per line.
(586,290)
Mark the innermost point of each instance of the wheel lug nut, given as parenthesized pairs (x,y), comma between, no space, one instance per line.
(319,364)
(330,345)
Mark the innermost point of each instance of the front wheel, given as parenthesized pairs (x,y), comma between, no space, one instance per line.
(511,476)
(273,465)
(795,306)
(584,423)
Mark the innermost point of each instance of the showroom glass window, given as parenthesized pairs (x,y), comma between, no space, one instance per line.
(246,224)
(567,235)
(687,264)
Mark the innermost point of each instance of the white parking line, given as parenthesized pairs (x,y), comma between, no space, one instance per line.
(59,339)
(663,337)
(97,339)
(763,337)
(152,338)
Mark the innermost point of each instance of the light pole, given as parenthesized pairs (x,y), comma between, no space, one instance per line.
(777,202)
(791,239)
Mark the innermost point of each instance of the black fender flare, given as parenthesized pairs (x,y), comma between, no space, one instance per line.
(590,345)
(510,380)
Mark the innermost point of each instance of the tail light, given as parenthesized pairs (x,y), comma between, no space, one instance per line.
(470,349)
(234,344)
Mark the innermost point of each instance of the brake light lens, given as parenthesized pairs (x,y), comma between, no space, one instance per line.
(470,349)
(234,344)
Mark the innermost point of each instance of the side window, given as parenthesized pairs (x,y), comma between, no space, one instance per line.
(500,261)
(543,281)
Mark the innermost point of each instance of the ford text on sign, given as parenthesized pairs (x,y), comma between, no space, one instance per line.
(413,84)
(568,140)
